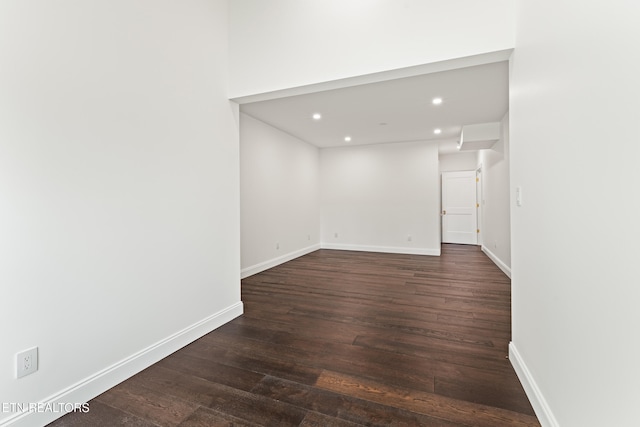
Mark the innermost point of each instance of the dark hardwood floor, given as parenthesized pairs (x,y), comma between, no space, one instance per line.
(339,338)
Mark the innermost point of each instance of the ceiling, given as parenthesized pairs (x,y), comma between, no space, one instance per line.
(396,110)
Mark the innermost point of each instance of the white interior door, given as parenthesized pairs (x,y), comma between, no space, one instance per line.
(459,213)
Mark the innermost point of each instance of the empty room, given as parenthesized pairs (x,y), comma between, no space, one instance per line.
(185,243)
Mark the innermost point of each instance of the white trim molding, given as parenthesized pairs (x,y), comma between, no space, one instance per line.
(101,381)
(497,261)
(540,406)
(383,249)
(257,268)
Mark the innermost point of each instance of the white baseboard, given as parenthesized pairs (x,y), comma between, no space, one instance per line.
(540,406)
(257,268)
(497,261)
(384,249)
(98,383)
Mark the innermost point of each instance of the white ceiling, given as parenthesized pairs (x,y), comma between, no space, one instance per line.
(393,111)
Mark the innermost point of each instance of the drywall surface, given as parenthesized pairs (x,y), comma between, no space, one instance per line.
(465,161)
(381,197)
(119,189)
(279,181)
(574,97)
(300,42)
(494,181)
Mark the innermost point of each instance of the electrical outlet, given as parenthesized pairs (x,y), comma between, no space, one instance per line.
(26,362)
(335,235)
(308,236)
(277,245)
(409,238)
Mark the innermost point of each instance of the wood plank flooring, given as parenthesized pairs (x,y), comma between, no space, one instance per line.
(339,338)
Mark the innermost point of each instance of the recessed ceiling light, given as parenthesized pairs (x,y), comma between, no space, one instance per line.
(317,116)
(347,139)
(437,131)
(436,101)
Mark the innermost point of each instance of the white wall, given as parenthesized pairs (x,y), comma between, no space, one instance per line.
(119,189)
(574,103)
(375,196)
(300,42)
(279,182)
(494,181)
(462,161)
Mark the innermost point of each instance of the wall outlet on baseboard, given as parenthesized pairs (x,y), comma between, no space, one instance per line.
(278,245)
(409,238)
(26,362)
(335,235)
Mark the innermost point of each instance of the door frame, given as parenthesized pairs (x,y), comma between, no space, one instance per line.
(442,204)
